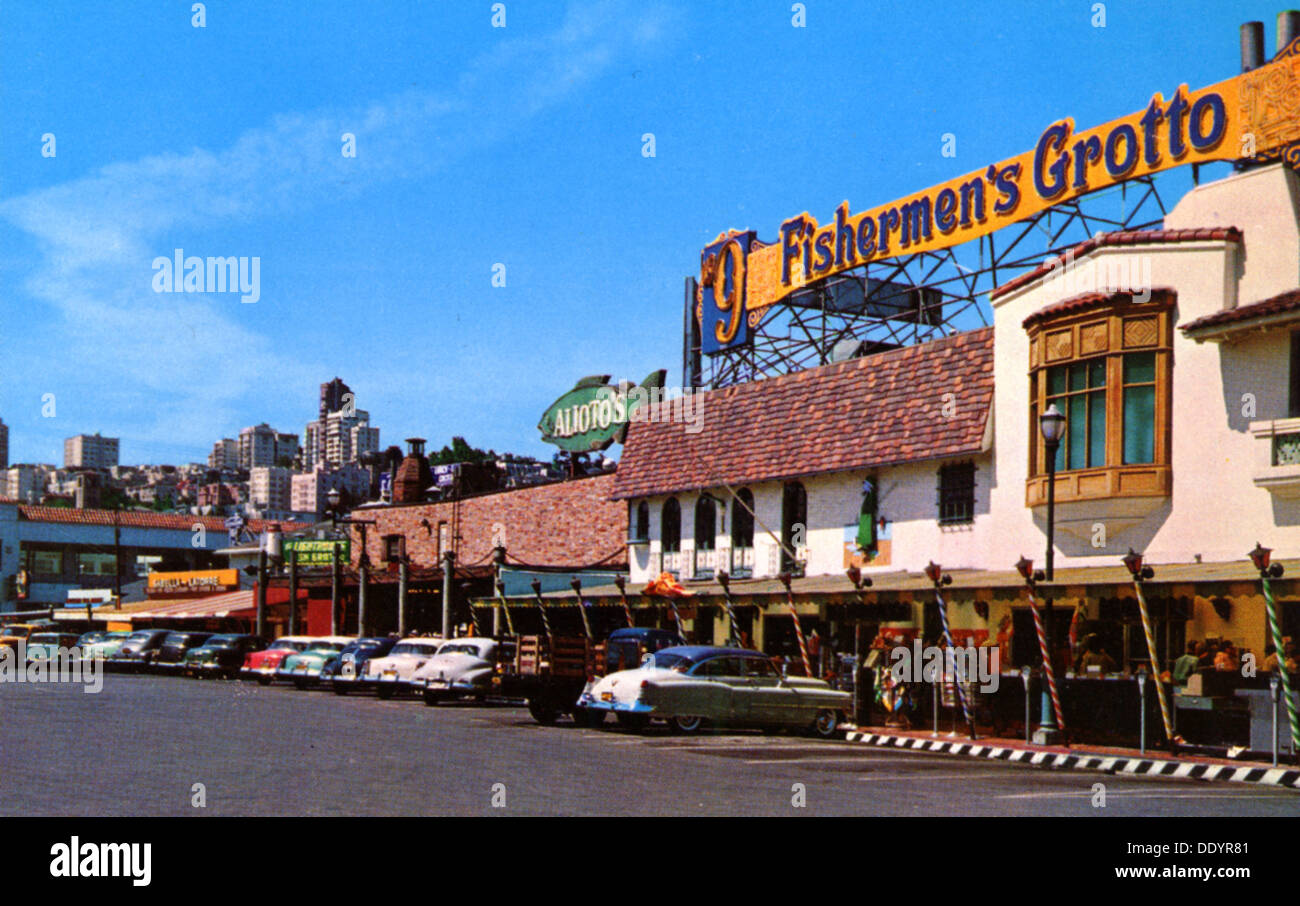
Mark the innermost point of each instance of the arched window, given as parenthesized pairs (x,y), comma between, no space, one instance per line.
(742,519)
(670,533)
(706,523)
(641,527)
(794,522)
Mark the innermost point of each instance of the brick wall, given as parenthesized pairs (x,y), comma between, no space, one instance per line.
(569,523)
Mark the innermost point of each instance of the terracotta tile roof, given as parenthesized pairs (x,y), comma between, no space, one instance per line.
(1085,301)
(1278,305)
(874,411)
(135,519)
(1123,237)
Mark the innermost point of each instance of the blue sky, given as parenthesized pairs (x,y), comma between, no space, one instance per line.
(475,145)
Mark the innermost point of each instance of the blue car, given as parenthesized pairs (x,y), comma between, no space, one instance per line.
(346,670)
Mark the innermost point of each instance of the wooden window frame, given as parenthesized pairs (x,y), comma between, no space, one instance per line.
(1109,329)
(950,493)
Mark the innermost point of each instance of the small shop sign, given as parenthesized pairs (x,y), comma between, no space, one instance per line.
(318,553)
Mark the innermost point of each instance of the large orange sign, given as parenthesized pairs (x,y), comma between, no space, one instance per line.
(1254,115)
(208,581)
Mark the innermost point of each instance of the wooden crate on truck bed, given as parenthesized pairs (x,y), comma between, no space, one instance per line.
(564,656)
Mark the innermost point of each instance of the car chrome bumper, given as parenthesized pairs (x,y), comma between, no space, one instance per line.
(596,704)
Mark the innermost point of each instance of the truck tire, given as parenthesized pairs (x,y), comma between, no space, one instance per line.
(340,689)
(685,724)
(432,698)
(384,692)
(542,711)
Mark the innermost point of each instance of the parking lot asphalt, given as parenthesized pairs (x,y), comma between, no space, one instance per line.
(155,745)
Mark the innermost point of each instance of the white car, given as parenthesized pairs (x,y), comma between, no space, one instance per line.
(695,686)
(461,667)
(393,673)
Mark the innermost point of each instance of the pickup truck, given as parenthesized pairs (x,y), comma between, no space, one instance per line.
(550,674)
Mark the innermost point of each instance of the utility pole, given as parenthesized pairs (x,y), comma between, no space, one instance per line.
(362,570)
(293,591)
(334,590)
(448,566)
(261,592)
(117,560)
(402,568)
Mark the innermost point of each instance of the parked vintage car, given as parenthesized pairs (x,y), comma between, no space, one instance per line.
(138,650)
(695,686)
(171,653)
(106,645)
(221,655)
(392,673)
(47,644)
(344,671)
(462,667)
(302,668)
(13,633)
(261,665)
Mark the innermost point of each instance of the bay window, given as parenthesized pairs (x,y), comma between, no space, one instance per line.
(1106,363)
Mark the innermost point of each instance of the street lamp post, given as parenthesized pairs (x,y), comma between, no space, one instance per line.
(1052,425)
(363,561)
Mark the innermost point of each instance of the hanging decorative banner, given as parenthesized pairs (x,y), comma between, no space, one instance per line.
(1255,115)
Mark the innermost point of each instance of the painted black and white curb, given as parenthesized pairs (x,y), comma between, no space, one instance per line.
(1284,777)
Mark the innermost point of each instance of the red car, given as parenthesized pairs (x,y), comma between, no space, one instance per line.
(261,665)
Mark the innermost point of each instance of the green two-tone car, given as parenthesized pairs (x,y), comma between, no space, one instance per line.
(303,668)
(101,644)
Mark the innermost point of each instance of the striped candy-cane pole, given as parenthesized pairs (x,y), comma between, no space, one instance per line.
(541,606)
(1155,662)
(627,608)
(1074,630)
(501,596)
(1275,628)
(731,617)
(582,606)
(677,618)
(1047,659)
(798,631)
(947,637)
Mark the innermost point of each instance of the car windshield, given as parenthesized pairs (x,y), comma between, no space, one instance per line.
(90,637)
(669,661)
(412,648)
(286,645)
(220,641)
(44,638)
(327,646)
(140,637)
(181,638)
(458,649)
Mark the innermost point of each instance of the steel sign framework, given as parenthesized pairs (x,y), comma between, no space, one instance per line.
(823,292)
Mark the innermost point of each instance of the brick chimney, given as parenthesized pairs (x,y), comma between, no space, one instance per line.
(413,475)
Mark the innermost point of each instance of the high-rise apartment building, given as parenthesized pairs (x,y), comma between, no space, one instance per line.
(269,488)
(25,483)
(310,489)
(341,432)
(224,455)
(90,451)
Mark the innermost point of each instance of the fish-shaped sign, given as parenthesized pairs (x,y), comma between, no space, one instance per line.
(595,413)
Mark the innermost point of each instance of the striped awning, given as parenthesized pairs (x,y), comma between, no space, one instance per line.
(230,604)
